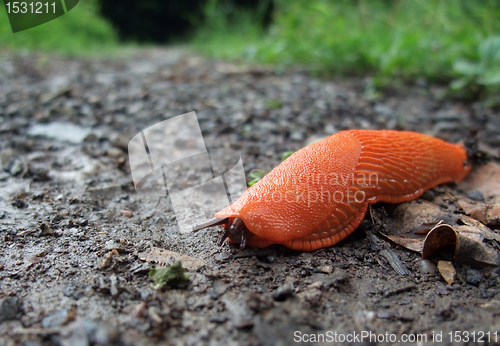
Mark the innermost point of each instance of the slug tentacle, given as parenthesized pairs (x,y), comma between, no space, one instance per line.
(243,241)
(210,223)
(224,235)
(237,232)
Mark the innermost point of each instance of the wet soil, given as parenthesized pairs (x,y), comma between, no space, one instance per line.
(72,227)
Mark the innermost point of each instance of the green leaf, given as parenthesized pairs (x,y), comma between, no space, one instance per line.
(273,104)
(173,276)
(467,68)
(255,175)
(489,51)
(458,84)
(286,155)
(490,78)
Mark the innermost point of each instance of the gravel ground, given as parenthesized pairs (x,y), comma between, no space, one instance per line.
(75,233)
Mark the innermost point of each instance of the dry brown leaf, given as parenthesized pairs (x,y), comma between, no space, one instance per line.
(485,231)
(106,261)
(486,213)
(447,271)
(469,240)
(166,257)
(485,179)
(413,244)
(493,214)
(476,210)
(474,248)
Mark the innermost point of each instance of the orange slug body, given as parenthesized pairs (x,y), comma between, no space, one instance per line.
(320,194)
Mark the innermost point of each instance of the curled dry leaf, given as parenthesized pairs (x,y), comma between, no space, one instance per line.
(440,237)
(471,244)
(166,257)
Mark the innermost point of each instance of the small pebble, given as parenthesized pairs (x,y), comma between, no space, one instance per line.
(317,284)
(83,222)
(9,306)
(474,277)
(271,259)
(493,306)
(114,152)
(74,291)
(283,292)
(475,195)
(100,333)
(113,288)
(297,136)
(126,213)
(327,269)
(56,319)
(427,267)
(4,175)
(16,166)
(112,245)
(218,319)
(45,229)
(385,314)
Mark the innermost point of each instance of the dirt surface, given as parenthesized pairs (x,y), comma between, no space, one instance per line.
(73,230)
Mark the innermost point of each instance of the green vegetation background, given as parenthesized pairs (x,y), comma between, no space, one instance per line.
(452,40)
(391,37)
(81,31)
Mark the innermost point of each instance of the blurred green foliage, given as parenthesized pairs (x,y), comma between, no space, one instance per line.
(388,38)
(81,31)
(483,74)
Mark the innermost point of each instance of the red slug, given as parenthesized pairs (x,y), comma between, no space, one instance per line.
(320,194)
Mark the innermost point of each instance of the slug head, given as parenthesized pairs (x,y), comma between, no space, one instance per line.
(234,229)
